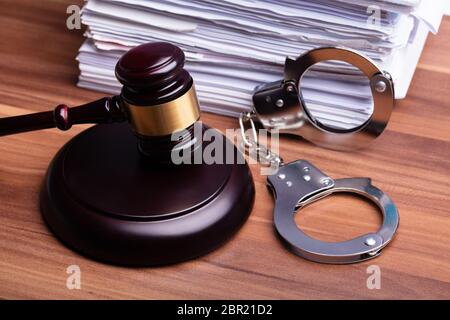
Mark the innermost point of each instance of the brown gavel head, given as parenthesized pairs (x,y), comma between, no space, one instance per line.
(158,97)
(158,94)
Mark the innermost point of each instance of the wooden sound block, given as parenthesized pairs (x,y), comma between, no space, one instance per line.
(102,198)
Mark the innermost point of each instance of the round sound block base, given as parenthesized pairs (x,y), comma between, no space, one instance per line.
(105,200)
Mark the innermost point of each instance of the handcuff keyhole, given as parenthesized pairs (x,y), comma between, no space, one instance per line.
(339,217)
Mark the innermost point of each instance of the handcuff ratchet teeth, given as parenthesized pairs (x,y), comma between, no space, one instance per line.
(278,105)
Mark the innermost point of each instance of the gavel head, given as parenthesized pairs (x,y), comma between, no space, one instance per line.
(158,95)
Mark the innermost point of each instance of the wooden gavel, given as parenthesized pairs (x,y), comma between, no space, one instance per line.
(158,98)
(114,193)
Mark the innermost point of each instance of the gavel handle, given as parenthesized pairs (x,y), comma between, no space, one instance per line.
(105,110)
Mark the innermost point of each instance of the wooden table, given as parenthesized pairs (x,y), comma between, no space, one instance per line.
(411,162)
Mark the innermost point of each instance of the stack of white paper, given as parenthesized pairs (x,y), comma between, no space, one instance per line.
(232,46)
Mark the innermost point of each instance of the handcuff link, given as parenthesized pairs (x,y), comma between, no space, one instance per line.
(263,155)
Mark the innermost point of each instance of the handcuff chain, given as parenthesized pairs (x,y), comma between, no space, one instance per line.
(263,155)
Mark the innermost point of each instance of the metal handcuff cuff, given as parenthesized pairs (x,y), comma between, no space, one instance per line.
(279,107)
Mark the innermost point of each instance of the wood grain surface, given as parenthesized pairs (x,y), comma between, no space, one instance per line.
(410,162)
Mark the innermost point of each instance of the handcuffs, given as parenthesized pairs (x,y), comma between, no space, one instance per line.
(278,107)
